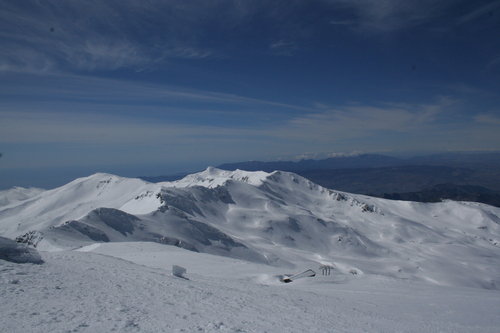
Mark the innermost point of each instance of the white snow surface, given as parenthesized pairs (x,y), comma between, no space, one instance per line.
(109,244)
(128,287)
(17,194)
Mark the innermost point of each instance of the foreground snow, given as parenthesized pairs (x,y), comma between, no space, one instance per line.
(128,287)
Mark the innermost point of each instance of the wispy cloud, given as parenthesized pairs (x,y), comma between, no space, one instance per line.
(30,126)
(95,34)
(382,127)
(69,108)
(388,15)
(346,23)
(364,121)
(283,47)
(494,64)
(322,155)
(91,128)
(488,119)
(481,12)
(109,34)
(85,90)
(441,125)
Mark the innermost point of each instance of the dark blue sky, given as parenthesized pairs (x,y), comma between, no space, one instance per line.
(162,86)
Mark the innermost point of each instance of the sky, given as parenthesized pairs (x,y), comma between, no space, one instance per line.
(155,87)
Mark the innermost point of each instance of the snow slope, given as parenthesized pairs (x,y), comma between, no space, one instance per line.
(17,194)
(278,219)
(128,287)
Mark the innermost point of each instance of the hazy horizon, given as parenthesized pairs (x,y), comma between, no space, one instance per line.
(52,177)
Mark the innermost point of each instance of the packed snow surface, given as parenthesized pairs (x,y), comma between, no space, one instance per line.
(128,287)
(109,244)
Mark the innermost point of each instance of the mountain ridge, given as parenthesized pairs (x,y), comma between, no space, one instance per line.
(449,191)
(377,175)
(278,219)
(338,162)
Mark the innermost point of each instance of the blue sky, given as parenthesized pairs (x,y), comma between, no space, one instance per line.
(162,86)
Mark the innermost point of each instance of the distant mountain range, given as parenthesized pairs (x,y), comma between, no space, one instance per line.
(342,162)
(478,174)
(442,192)
(464,160)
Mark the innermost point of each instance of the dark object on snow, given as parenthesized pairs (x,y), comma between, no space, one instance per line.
(325,269)
(179,271)
(307,273)
(18,253)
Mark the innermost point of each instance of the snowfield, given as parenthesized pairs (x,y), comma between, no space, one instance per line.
(108,245)
(128,287)
(17,194)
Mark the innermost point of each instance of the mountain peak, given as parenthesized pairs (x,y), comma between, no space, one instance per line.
(213,177)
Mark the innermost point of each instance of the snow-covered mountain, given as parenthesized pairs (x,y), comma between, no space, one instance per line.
(277,218)
(18,194)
